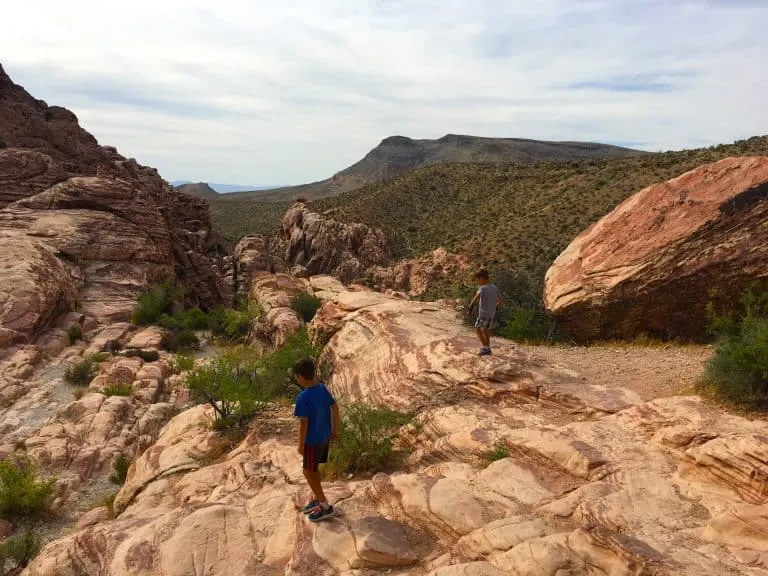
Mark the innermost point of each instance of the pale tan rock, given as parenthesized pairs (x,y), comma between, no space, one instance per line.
(147,338)
(471,569)
(742,526)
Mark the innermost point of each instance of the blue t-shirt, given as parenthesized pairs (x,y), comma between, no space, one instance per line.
(314,404)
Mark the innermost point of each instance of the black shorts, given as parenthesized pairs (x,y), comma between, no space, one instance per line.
(314,455)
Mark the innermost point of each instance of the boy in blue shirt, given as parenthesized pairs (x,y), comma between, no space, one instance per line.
(319,416)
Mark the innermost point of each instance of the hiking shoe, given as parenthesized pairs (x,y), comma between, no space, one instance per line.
(484,352)
(309,508)
(320,513)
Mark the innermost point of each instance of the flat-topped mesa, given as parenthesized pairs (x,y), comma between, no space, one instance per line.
(652,265)
(110,226)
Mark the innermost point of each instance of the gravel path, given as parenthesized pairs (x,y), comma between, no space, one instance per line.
(652,371)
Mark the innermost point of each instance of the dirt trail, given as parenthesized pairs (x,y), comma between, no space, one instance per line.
(650,371)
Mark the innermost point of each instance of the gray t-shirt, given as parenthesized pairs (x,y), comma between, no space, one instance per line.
(489,295)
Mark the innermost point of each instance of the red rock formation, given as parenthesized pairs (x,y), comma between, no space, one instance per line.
(109,226)
(319,245)
(651,264)
(418,275)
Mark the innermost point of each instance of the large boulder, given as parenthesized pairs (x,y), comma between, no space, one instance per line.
(81,224)
(652,265)
(317,245)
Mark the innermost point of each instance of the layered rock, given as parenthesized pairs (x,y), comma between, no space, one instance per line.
(590,480)
(654,263)
(319,245)
(84,226)
(255,254)
(417,276)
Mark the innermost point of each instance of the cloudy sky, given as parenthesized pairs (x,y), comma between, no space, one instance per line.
(269,92)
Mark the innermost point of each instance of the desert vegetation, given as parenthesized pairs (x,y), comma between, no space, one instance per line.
(737,372)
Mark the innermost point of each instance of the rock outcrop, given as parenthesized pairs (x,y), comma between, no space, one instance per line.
(84,227)
(652,265)
(587,479)
(255,254)
(319,245)
(417,276)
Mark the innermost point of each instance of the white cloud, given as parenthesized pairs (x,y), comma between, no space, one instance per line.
(269,92)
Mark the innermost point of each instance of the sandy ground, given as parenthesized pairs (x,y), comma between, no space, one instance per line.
(652,371)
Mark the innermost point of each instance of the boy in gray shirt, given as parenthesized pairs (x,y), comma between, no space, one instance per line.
(489,297)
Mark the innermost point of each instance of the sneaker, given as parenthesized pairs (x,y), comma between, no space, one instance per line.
(310,507)
(484,352)
(320,513)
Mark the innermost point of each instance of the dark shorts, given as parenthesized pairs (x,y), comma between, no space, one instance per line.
(314,455)
(484,322)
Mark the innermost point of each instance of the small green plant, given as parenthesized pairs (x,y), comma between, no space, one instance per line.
(78,393)
(232,385)
(738,369)
(80,373)
(499,452)
(117,390)
(22,493)
(108,502)
(183,363)
(99,357)
(146,355)
(120,470)
(158,300)
(233,323)
(18,552)
(277,366)
(182,340)
(366,440)
(194,319)
(306,305)
(74,334)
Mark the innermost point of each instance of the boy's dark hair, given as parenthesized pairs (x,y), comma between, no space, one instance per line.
(305,368)
(482,274)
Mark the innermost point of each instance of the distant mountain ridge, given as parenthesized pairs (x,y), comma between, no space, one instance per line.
(222,188)
(398,154)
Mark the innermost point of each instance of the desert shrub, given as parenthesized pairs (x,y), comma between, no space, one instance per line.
(232,385)
(80,373)
(183,363)
(194,319)
(108,502)
(158,300)
(366,440)
(117,390)
(306,305)
(738,369)
(237,323)
(78,393)
(499,452)
(169,322)
(17,552)
(99,357)
(146,355)
(74,334)
(22,493)
(120,470)
(277,366)
(181,340)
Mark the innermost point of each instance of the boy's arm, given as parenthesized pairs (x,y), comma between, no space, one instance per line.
(471,304)
(334,421)
(302,434)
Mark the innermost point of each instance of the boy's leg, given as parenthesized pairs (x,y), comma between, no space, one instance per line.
(486,337)
(314,479)
(479,332)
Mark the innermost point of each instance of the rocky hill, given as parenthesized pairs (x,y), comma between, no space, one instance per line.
(398,154)
(199,190)
(85,229)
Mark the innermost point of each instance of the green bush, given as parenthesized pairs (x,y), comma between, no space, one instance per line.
(80,373)
(118,390)
(232,385)
(120,470)
(194,319)
(74,334)
(277,366)
(738,369)
(306,306)
(182,363)
(182,340)
(18,552)
(21,492)
(168,322)
(146,355)
(499,452)
(365,442)
(158,300)
(237,323)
